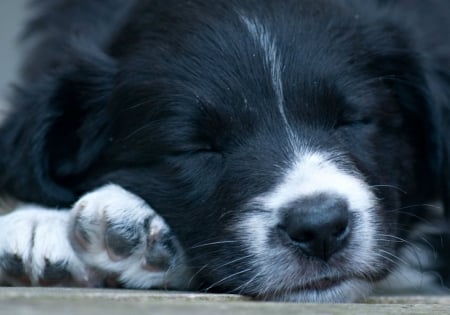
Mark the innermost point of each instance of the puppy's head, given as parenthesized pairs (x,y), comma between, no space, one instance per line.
(280,150)
(279,142)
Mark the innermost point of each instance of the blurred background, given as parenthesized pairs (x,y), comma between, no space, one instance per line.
(12,15)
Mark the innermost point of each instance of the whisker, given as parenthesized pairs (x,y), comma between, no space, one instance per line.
(393,237)
(227,278)
(389,186)
(217,268)
(414,248)
(232,262)
(243,286)
(417,206)
(394,257)
(196,274)
(212,243)
(413,215)
(388,240)
(393,261)
(430,245)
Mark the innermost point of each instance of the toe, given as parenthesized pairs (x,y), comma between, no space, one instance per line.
(55,273)
(121,240)
(14,269)
(160,252)
(161,246)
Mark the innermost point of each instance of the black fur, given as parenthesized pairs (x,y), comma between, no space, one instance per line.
(170,100)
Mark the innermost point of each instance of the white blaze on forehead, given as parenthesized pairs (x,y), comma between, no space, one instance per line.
(272,59)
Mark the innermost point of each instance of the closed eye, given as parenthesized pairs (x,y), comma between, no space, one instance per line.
(197,149)
(206,149)
(342,123)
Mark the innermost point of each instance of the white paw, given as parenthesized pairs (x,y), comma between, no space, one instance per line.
(117,233)
(34,249)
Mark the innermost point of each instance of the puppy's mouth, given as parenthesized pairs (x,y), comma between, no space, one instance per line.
(320,284)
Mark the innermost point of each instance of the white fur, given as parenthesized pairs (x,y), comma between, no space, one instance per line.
(310,174)
(351,290)
(37,235)
(272,59)
(117,206)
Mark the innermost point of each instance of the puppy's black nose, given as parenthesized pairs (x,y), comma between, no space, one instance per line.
(319,225)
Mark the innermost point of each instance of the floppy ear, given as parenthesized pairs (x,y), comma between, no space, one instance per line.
(58,127)
(425,94)
(421,85)
(440,92)
(431,101)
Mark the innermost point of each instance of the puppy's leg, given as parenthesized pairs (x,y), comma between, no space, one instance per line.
(117,233)
(35,250)
(109,237)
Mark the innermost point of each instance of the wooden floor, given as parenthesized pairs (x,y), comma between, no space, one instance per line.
(40,301)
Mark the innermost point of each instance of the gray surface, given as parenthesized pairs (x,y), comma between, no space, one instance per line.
(25,301)
(11,19)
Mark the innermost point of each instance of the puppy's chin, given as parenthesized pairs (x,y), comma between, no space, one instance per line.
(336,291)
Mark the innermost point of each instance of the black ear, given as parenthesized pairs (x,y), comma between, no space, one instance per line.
(57,129)
(424,91)
(421,85)
(439,81)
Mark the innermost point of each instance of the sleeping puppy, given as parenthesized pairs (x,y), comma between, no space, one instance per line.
(288,150)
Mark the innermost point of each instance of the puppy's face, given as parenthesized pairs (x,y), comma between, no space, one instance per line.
(274,144)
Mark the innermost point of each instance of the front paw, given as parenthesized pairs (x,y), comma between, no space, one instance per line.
(117,233)
(34,250)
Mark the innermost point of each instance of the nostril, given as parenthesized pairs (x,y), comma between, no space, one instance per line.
(318,225)
(341,231)
(305,237)
(297,238)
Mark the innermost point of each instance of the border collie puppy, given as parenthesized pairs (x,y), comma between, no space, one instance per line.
(282,149)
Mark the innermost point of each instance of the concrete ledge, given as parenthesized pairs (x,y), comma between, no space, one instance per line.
(8,293)
(40,301)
